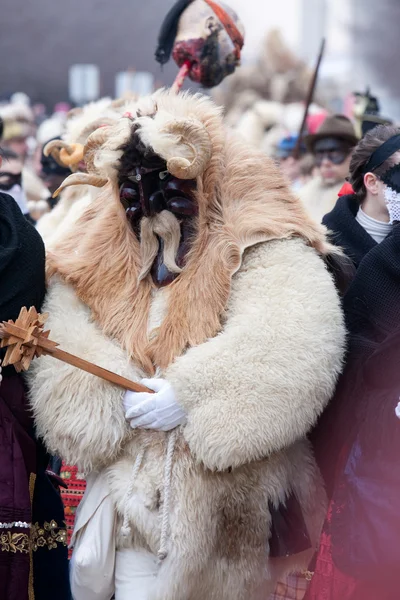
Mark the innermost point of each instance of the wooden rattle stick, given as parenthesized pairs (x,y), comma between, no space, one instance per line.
(89,367)
(26,340)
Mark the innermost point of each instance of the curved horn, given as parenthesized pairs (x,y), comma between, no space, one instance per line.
(72,157)
(56,144)
(192,133)
(94,141)
(81,179)
(74,112)
(93,126)
(53,148)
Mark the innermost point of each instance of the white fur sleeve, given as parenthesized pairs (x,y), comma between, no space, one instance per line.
(261,384)
(79,416)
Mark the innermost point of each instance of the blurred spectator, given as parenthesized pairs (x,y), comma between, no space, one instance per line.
(50,129)
(315,120)
(36,194)
(52,174)
(289,165)
(365,111)
(39,113)
(20,98)
(307,169)
(331,147)
(61,109)
(18,127)
(11,179)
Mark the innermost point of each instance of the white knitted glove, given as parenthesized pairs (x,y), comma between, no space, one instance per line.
(158,411)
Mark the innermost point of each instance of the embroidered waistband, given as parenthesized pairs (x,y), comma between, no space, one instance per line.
(48,535)
(14,542)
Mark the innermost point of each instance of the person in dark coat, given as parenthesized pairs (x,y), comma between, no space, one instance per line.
(357,440)
(360,220)
(33,552)
(346,231)
(359,554)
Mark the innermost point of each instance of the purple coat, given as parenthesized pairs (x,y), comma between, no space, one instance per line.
(17,479)
(33,552)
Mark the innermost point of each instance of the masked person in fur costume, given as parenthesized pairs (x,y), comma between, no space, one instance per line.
(198,269)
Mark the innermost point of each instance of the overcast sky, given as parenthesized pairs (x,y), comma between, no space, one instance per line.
(303,23)
(259,16)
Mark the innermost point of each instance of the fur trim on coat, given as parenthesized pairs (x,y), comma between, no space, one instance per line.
(242,200)
(54,224)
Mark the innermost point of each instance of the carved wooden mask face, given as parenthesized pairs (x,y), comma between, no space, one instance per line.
(147,189)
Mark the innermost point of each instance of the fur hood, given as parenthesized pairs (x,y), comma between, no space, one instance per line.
(242,198)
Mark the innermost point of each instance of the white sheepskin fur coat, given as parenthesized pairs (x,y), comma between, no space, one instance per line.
(251,395)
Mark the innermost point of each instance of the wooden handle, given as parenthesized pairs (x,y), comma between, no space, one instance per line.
(89,367)
(27,341)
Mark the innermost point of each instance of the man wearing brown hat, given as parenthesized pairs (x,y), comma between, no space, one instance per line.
(331,147)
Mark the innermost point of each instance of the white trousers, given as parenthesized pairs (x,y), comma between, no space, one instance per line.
(135,573)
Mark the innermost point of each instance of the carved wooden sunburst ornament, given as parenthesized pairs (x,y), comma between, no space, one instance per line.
(25,339)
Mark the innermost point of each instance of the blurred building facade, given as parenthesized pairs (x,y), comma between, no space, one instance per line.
(362,45)
(376,50)
(40,40)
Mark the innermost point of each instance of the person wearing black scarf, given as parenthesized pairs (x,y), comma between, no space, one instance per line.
(360,220)
(33,552)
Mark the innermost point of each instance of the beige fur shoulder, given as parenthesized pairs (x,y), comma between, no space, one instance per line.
(261,383)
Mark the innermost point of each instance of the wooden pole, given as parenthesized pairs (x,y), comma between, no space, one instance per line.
(180,78)
(310,96)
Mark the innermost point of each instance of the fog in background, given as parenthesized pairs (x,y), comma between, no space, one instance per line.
(376,48)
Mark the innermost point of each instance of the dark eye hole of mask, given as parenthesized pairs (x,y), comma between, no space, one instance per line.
(128,194)
(392,178)
(164,193)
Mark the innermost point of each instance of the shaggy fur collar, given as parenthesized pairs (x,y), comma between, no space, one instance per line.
(243,200)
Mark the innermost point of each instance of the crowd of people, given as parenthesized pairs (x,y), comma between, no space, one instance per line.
(242,275)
